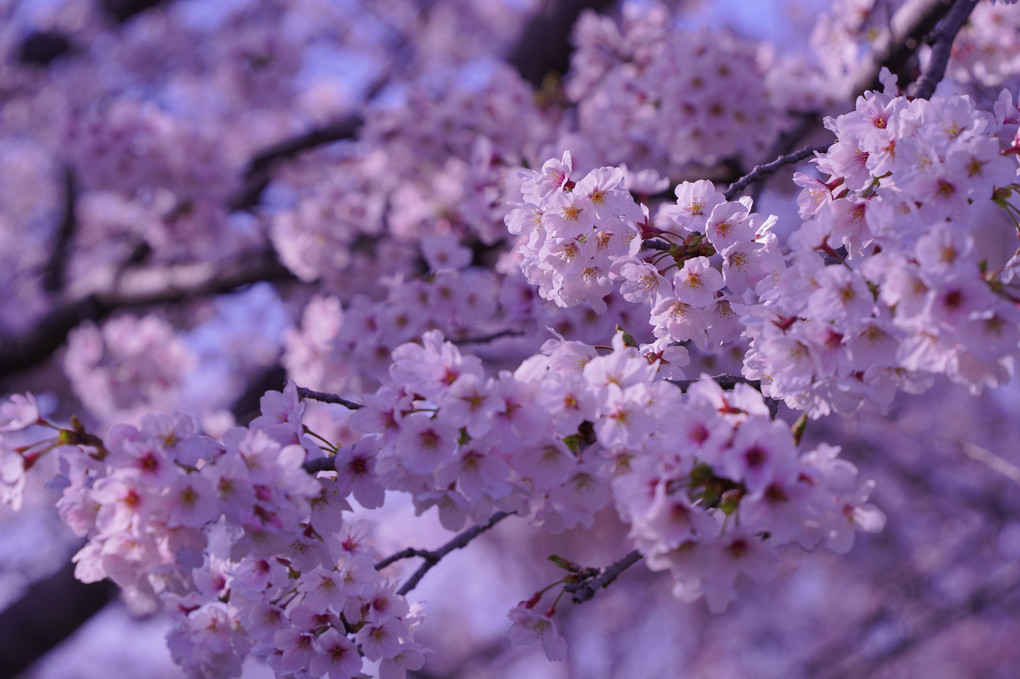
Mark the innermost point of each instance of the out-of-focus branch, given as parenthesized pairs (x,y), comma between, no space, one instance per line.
(544,46)
(432,557)
(135,288)
(42,47)
(122,10)
(49,612)
(601,578)
(54,274)
(942,46)
(894,47)
(994,592)
(259,170)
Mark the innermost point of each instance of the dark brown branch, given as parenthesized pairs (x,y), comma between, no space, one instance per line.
(585,589)
(761,171)
(135,288)
(327,398)
(432,557)
(942,46)
(544,45)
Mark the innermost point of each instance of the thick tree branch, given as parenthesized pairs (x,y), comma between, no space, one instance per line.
(544,46)
(586,589)
(432,557)
(49,612)
(942,46)
(135,288)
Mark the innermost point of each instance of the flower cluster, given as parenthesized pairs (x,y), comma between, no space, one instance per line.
(570,233)
(899,269)
(250,553)
(128,367)
(651,95)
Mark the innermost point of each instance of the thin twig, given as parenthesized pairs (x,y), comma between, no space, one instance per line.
(942,46)
(760,171)
(488,338)
(328,398)
(432,557)
(585,590)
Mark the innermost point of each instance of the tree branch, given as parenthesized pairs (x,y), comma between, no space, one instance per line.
(54,273)
(327,398)
(942,46)
(434,556)
(911,23)
(49,612)
(122,10)
(585,589)
(135,288)
(544,46)
(260,167)
(761,171)
(488,338)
